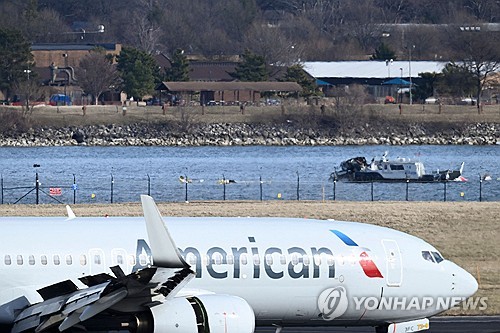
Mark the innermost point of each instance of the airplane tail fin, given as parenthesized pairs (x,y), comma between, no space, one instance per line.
(71,214)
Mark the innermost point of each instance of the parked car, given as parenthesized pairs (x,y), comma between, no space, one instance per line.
(59,100)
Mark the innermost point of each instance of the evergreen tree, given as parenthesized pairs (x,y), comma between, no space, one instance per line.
(456,81)
(15,59)
(383,52)
(179,70)
(251,69)
(297,74)
(138,71)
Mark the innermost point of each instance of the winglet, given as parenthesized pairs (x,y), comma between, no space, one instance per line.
(71,214)
(165,253)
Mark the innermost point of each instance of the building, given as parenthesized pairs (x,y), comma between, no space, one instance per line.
(55,65)
(225,93)
(370,74)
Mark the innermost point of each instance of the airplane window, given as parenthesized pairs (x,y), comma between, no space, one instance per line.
(244,259)
(438,257)
(31,260)
(217,258)
(119,259)
(295,259)
(97,259)
(256,259)
(69,260)
(206,260)
(43,260)
(317,260)
(427,256)
(20,260)
(191,259)
(57,260)
(306,260)
(143,259)
(282,259)
(330,261)
(269,259)
(83,260)
(230,259)
(7,260)
(131,260)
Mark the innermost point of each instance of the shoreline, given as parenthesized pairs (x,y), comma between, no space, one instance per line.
(249,134)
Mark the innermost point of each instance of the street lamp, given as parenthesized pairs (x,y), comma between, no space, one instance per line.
(388,63)
(409,72)
(401,86)
(65,56)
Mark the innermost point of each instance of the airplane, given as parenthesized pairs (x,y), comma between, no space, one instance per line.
(214,274)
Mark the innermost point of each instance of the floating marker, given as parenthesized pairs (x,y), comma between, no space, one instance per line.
(92,195)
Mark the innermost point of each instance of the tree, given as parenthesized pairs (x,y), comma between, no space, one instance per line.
(297,74)
(138,71)
(272,44)
(251,69)
(96,74)
(28,90)
(456,80)
(426,85)
(479,55)
(383,52)
(179,70)
(15,59)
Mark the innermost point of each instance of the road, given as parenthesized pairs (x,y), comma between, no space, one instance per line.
(490,324)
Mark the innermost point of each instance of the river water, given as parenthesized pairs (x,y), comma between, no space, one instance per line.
(120,174)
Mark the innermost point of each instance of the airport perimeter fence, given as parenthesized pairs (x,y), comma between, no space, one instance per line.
(120,188)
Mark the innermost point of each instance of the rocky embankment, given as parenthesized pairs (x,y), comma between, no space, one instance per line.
(221,134)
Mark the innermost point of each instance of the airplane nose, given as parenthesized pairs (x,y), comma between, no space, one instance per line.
(463,283)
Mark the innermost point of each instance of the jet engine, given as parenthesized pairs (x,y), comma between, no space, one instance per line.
(205,313)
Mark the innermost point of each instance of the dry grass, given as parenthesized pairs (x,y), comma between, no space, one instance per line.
(96,115)
(465,232)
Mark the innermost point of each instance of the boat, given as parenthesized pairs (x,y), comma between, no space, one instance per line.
(357,169)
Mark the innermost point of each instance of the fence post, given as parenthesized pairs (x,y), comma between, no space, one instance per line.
(224,187)
(372,189)
(260,185)
(298,186)
(334,186)
(186,191)
(74,189)
(37,187)
(149,185)
(480,189)
(445,191)
(407,184)
(112,187)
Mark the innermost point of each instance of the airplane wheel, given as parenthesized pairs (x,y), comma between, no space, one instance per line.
(381,329)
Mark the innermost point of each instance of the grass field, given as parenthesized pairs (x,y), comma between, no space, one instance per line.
(95,115)
(465,232)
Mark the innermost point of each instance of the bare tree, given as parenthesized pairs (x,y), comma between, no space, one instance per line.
(96,74)
(270,43)
(29,91)
(479,53)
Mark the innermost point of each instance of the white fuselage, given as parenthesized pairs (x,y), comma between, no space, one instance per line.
(278,265)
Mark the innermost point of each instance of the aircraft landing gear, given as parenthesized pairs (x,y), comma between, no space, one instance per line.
(279,329)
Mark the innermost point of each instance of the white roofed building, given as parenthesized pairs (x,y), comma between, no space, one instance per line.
(371,74)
